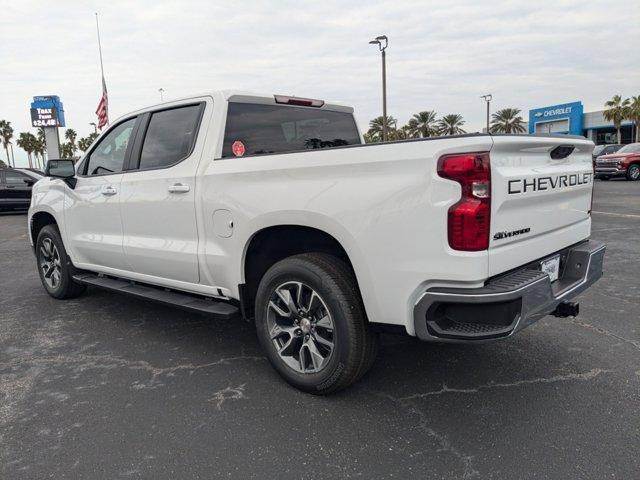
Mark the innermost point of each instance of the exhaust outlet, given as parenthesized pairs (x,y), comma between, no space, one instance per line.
(566,309)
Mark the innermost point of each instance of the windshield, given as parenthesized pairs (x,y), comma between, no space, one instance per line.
(631,148)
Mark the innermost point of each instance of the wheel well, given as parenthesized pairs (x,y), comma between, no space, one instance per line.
(273,244)
(39,221)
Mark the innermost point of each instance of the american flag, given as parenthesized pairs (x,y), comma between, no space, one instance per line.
(103,107)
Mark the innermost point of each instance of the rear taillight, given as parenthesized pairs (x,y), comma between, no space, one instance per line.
(469,220)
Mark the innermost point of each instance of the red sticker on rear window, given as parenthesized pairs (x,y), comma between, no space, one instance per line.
(238,148)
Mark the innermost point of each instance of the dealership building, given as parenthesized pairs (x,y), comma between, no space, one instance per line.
(570,118)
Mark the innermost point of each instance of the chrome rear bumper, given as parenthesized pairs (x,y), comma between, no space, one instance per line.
(507,303)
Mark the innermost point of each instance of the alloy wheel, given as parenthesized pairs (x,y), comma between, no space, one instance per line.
(634,172)
(50,263)
(300,327)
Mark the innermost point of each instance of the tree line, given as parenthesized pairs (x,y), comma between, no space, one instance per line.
(35,145)
(427,124)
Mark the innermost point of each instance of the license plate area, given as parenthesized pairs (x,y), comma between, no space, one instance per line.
(551,266)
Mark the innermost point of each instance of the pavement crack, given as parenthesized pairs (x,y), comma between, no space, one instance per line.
(607,333)
(228,393)
(557,378)
(84,362)
(441,439)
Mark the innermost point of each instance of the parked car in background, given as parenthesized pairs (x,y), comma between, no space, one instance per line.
(625,162)
(15,188)
(34,170)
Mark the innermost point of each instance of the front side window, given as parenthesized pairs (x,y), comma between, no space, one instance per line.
(109,154)
(170,136)
(15,178)
(277,128)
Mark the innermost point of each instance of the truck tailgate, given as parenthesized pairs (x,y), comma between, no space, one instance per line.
(539,204)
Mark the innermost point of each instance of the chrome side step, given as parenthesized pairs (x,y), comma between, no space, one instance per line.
(215,308)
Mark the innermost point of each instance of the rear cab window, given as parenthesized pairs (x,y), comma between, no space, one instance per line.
(269,129)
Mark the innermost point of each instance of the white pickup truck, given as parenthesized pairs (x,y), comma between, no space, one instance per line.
(273,208)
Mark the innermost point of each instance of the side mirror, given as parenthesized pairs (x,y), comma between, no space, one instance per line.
(29,182)
(64,169)
(60,169)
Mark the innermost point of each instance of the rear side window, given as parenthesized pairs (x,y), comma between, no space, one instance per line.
(264,129)
(170,136)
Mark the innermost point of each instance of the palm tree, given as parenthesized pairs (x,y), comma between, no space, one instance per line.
(451,125)
(85,142)
(633,114)
(67,150)
(39,150)
(507,120)
(27,141)
(6,134)
(616,112)
(71,135)
(41,145)
(375,127)
(401,133)
(423,124)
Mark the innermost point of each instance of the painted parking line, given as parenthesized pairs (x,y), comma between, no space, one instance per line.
(629,215)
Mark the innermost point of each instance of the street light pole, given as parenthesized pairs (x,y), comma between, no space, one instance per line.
(161,90)
(382,41)
(95,127)
(487,98)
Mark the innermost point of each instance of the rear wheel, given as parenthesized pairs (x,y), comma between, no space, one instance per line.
(54,265)
(311,322)
(633,172)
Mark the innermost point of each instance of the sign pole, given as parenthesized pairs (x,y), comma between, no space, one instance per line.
(52,139)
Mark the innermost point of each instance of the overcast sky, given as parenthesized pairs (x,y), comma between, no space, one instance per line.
(442,55)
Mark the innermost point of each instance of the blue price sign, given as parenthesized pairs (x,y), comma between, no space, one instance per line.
(47,111)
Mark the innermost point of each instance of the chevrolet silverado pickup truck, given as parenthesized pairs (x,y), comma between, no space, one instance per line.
(623,163)
(273,208)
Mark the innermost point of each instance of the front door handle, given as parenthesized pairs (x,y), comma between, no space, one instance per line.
(179,188)
(109,190)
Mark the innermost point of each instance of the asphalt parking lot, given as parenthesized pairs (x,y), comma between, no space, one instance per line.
(106,386)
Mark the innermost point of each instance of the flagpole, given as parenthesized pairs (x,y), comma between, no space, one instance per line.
(104,102)
(99,46)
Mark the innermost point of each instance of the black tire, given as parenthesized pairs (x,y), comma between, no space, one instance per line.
(49,240)
(354,343)
(633,172)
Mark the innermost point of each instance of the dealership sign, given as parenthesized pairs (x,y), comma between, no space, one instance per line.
(554,112)
(569,114)
(47,111)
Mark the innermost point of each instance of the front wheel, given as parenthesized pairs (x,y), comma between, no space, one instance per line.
(54,265)
(633,172)
(311,323)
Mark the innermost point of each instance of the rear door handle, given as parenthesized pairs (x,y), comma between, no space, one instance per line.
(179,188)
(109,190)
